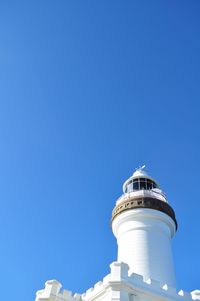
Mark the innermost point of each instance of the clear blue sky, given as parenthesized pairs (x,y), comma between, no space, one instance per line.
(89,90)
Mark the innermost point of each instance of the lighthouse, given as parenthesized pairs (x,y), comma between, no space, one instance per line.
(144,224)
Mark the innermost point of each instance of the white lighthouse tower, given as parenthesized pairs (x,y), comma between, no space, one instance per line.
(143,223)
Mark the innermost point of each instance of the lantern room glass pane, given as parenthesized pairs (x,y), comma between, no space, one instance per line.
(149,184)
(154,185)
(130,186)
(143,184)
(140,184)
(135,185)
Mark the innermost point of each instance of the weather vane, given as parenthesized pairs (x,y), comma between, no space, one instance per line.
(140,168)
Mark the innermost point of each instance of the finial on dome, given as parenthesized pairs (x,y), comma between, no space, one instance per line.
(140,168)
(140,171)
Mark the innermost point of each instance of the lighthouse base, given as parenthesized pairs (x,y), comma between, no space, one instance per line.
(119,285)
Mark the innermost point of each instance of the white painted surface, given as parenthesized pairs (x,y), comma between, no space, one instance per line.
(118,285)
(144,243)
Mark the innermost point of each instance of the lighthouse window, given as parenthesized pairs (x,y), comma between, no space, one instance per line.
(149,184)
(143,184)
(154,185)
(140,184)
(130,187)
(136,185)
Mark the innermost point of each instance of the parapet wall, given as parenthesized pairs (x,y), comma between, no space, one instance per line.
(53,291)
(122,284)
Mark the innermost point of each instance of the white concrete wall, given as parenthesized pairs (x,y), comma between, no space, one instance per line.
(144,243)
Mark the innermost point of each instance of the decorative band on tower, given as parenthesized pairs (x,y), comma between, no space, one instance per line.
(144,202)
